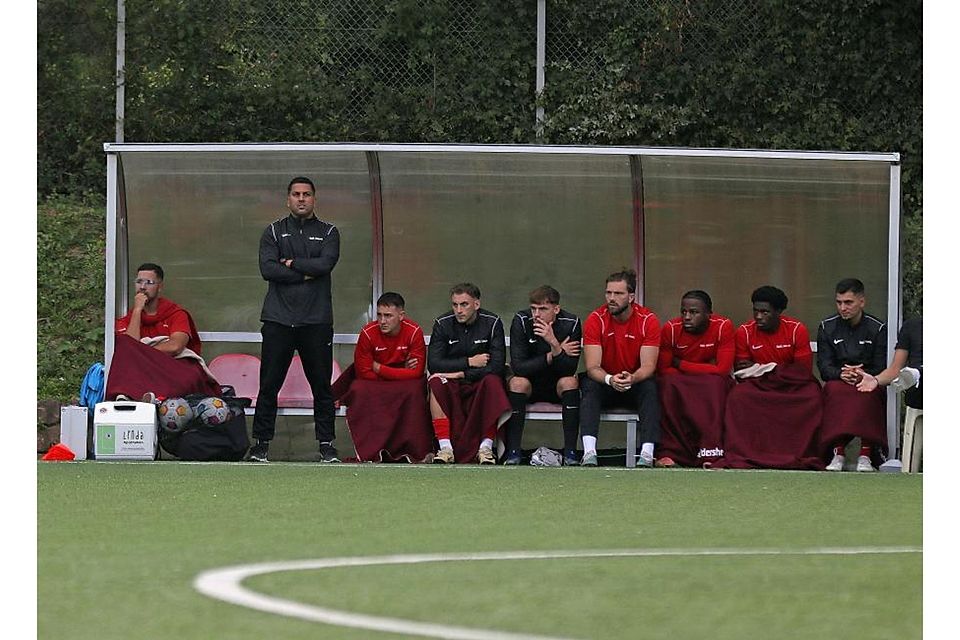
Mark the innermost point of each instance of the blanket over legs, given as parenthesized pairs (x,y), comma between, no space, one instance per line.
(137,368)
(691,424)
(389,420)
(475,409)
(774,421)
(848,413)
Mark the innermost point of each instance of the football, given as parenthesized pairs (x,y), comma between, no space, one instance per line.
(213,411)
(175,414)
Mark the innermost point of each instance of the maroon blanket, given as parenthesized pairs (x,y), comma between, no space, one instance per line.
(774,422)
(848,413)
(389,420)
(475,409)
(137,369)
(691,423)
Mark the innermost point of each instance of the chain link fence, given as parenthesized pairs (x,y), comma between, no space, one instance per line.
(381,38)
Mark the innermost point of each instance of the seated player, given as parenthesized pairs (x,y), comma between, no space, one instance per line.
(621,340)
(385,390)
(466,357)
(694,366)
(773,421)
(544,354)
(157,347)
(851,344)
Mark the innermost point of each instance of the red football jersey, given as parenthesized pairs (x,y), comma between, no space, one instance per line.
(707,352)
(391,352)
(621,341)
(789,343)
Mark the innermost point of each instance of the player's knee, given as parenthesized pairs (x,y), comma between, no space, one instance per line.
(568,383)
(519,384)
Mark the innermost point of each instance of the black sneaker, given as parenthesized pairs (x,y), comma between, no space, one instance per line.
(328,452)
(258,452)
(570,458)
(513,457)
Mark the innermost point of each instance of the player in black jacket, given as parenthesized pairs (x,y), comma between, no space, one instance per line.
(544,355)
(297,255)
(466,358)
(850,345)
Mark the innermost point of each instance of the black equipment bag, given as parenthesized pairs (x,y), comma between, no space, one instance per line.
(227,441)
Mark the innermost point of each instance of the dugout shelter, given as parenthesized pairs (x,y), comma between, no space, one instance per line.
(417,218)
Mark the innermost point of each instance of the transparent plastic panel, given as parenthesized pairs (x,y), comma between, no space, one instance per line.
(200,216)
(730,225)
(506,222)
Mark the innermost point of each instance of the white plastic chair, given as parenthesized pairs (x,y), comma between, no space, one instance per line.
(912,440)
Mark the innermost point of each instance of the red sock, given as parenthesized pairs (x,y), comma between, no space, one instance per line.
(441,427)
(865,451)
(838,450)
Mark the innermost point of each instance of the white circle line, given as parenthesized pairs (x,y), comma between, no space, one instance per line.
(225,583)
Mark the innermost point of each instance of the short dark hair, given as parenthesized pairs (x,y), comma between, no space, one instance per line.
(698,294)
(852,285)
(468,288)
(545,293)
(391,299)
(768,293)
(302,180)
(150,266)
(624,275)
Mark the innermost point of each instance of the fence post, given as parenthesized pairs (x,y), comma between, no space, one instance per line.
(541,58)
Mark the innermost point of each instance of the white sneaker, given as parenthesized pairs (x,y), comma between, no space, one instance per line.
(863,464)
(837,463)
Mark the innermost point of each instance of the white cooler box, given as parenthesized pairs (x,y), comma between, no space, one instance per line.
(124,430)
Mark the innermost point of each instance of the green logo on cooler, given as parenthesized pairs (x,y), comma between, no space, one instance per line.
(106,439)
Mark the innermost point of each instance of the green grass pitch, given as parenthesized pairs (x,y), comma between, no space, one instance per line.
(119,545)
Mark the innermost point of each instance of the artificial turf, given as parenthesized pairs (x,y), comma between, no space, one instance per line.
(119,545)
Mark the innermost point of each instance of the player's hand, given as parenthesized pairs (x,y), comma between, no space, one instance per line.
(851,373)
(140,301)
(570,347)
(288,262)
(411,363)
(376,367)
(622,381)
(446,376)
(479,360)
(868,383)
(545,331)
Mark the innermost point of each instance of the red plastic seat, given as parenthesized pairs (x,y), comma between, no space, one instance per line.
(241,371)
(295,391)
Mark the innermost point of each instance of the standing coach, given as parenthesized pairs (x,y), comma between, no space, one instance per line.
(297,255)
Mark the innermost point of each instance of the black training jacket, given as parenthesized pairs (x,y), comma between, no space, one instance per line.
(838,344)
(528,351)
(294,299)
(451,343)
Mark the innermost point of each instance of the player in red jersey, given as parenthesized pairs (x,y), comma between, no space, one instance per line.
(392,346)
(385,390)
(773,421)
(694,366)
(621,340)
(157,347)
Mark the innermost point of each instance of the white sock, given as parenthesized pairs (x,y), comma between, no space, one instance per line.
(445,443)
(646,450)
(589,444)
(486,443)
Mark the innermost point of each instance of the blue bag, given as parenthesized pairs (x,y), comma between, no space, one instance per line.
(92,387)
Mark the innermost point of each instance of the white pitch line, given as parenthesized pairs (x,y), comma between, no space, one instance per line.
(225,584)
